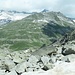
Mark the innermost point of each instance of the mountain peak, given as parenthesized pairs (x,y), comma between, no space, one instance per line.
(45,10)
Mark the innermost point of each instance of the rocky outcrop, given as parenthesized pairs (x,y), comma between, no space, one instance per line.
(23,63)
(19,62)
(47,50)
(68,49)
(48,60)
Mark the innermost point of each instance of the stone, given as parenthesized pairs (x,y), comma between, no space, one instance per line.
(20,68)
(68,49)
(45,59)
(40,64)
(11,73)
(2,66)
(33,59)
(59,49)
(2,72)
(48,50)
(33,66)
(9,64)
(50,65)
(18,57)
(31,69)
(45,68)
(68,58)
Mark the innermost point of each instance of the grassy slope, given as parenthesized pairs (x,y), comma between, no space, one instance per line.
(25,33)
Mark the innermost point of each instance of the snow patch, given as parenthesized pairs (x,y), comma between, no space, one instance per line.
(65,19)
(74,20)
(12,16)
(35,21)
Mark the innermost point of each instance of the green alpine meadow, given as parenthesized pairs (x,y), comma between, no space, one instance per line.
(34,31)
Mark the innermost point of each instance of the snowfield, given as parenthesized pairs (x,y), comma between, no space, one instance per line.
(74,20)
(13,16)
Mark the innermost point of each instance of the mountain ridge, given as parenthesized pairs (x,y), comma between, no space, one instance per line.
(9,16)
(35,30)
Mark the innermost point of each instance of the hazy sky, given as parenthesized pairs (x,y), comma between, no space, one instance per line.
(67,7)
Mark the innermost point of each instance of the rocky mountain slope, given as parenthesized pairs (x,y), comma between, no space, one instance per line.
(32,62)
(73,19)
(35,31)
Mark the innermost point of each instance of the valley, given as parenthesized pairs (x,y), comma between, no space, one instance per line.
(38,44)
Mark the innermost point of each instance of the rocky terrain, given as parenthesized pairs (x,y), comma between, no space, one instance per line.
(56,59)
(50,52)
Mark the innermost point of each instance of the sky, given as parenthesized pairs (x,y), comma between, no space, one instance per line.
(67,7)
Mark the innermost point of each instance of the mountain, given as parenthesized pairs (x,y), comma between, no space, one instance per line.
(45,10)
(73,19)
(35,31)
(8,16)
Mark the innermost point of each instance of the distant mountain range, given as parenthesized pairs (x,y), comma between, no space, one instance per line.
(45,10)
(8,16)
(73,19)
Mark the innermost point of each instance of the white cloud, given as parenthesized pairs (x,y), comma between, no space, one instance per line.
(65,6)
(28,4)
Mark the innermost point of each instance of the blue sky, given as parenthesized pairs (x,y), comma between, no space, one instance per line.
(67,7)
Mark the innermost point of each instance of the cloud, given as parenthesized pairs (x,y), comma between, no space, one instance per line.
(65,6)
(27,4)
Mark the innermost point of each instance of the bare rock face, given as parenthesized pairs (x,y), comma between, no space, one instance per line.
(9,64)
(68,49)
(68,58)
(45,59)
(48,50)
(33,59)
(18,56)
(11,73)
(20,68)
(2,72)
(48,60)
(35,65)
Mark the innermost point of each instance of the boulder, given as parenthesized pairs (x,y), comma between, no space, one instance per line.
(11,73)
(45,59)
(9,64)
(2,72)
(47,50)
(33,59)
(18,57)
(68,58)
(68,49)
(20,68)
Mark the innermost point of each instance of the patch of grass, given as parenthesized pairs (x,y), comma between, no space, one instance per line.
(25,33)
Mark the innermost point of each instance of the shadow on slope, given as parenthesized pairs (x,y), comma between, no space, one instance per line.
(55,30)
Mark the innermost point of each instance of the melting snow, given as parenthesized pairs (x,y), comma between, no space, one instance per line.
(13,16)
(74,20)
(35,21)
